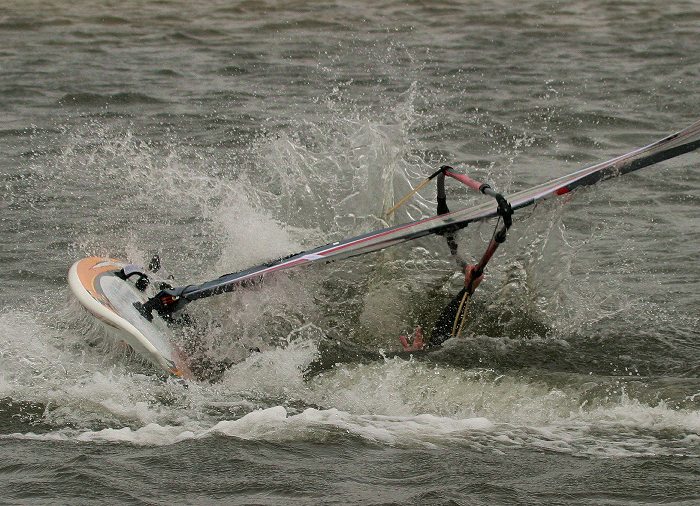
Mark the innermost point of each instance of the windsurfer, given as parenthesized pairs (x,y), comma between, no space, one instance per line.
(449,320)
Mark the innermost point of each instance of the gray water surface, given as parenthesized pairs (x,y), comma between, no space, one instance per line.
(225,134)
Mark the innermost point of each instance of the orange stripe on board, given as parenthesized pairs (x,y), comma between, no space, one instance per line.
(89,268)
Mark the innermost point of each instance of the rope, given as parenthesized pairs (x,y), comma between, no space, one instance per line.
(406,197)
(459,314)
(464,317)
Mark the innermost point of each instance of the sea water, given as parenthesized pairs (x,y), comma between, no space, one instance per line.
(224,134)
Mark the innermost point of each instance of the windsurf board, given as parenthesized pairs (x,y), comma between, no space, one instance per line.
(110,299)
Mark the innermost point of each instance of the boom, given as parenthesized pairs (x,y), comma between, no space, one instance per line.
(169,301)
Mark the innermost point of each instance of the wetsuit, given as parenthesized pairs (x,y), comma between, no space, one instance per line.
(441,330)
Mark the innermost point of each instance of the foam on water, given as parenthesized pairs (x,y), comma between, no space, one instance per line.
(629,429)
(390,402)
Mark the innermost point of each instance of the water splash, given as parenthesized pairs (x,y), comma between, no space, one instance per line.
(298,187)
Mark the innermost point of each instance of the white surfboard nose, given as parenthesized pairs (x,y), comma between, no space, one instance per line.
(111,299)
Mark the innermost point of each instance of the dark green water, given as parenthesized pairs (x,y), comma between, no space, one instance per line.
(224,134)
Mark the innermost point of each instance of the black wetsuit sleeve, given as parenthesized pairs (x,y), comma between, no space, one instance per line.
(441,330)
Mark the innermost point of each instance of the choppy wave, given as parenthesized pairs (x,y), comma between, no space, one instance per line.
(518,382)
(86,395)
(96,99)
(627,430)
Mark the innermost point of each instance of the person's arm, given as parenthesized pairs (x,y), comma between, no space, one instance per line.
(469,272)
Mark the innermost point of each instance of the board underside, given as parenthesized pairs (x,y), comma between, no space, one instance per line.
(111,300)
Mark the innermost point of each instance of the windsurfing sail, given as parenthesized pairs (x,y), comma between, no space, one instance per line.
(168,301)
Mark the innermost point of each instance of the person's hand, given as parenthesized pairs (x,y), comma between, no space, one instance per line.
(469,273)
(416,343)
